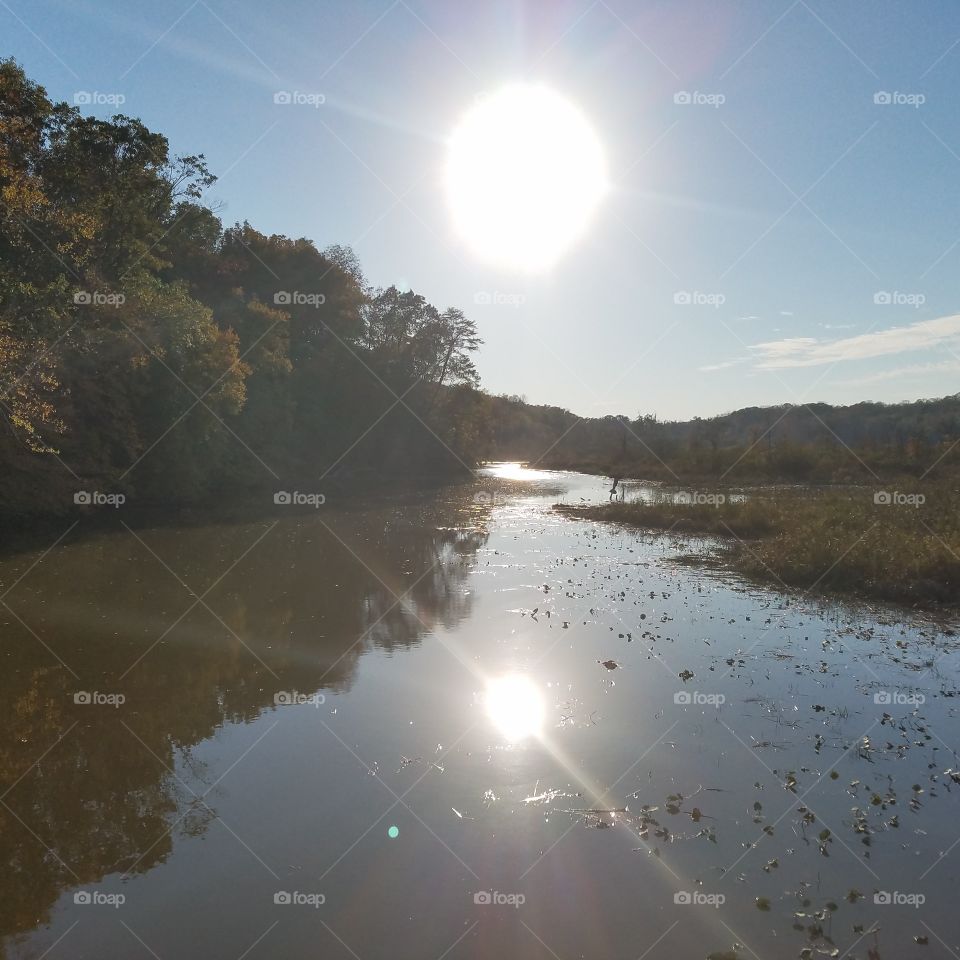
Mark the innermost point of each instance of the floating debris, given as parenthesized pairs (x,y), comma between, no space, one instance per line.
(548,796)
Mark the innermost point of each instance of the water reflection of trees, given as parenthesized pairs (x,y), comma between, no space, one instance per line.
(296,613)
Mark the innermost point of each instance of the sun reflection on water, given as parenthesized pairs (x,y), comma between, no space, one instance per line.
(515,706)
(514,471)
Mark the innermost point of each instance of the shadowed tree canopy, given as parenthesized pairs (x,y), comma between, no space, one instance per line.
(146,349)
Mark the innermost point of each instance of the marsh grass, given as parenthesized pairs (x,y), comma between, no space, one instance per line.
(833,540)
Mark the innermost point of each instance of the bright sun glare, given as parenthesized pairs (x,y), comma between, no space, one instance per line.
(525,172)
(515,706)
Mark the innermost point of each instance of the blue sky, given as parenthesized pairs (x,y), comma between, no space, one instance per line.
(783,237)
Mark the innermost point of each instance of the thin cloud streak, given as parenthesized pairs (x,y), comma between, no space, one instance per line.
(811,352)
(916,370)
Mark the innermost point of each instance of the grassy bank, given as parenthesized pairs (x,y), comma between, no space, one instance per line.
(737,466)
(836,540)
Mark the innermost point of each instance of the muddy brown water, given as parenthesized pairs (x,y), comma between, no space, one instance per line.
(293,738)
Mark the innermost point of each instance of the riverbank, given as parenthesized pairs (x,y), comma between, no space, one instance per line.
(885,545)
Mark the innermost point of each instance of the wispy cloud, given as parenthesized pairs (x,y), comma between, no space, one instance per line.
(723,365)
(915,371)
(811,352)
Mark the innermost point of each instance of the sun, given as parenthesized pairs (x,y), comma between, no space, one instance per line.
(515,706)
(525,173)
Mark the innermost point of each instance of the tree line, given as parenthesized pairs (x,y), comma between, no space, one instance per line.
(147,349)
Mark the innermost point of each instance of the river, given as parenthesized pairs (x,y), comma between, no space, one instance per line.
(293,737)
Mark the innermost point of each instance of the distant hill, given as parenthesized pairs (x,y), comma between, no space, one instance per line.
(815,440)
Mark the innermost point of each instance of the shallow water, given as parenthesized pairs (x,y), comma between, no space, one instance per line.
(305,762)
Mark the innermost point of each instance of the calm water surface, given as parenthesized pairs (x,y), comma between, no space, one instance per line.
(317,755)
